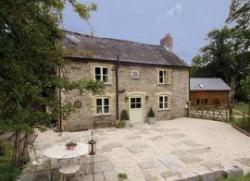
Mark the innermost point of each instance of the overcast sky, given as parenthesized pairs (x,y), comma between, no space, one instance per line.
(147,21)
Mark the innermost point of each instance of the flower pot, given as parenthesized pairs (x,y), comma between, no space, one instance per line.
(127,123)
(151,120)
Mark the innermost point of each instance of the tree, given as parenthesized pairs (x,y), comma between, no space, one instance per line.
(30,53)
(239,17)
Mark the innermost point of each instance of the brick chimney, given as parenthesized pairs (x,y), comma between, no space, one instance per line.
(167,42)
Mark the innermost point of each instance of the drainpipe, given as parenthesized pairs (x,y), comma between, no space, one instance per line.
(117,87)
(60,102)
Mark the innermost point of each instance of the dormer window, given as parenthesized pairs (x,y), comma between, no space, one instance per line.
(101,74)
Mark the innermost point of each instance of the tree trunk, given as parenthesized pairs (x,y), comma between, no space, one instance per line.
(15,149)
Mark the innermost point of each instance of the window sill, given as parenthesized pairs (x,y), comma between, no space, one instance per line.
(161,110)
(105,114)
(107,84)
(162,84)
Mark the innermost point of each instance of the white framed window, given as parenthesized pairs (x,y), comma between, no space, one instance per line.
(135,74)
(102,105)
(102,74)
(164,76)
(163,102)
(135,103)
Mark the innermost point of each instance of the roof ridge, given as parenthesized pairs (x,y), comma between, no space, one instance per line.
(114,39)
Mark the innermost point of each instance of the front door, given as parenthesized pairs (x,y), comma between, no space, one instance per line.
(136,109)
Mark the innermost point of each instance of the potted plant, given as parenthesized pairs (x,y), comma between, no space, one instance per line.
(125,118)
(122,176)
(151,116)
(71,145)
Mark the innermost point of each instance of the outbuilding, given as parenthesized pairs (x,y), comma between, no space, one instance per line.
(209,92)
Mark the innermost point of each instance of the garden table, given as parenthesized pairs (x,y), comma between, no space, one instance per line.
(60,152)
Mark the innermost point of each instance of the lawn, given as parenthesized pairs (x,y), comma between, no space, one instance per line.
(242,107)
(243,178)
(7,172)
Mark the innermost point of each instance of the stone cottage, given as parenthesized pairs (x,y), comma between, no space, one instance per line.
(136,76)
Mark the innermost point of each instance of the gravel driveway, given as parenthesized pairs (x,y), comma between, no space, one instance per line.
(168,149)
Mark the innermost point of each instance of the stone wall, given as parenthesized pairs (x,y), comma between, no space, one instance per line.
(147,86)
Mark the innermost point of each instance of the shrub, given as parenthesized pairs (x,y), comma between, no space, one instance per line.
(124,115)
(120,124)
(122,176)
(151,113)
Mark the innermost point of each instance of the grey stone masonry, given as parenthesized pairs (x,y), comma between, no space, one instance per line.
(146,85)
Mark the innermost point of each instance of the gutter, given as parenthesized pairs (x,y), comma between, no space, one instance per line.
(110,60)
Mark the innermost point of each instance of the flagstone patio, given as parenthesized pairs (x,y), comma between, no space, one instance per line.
(168,150)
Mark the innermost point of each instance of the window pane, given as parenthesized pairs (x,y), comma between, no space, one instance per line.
(138,100)
(105,71)
(98,102)
(166,105)
(132,105)
(97,77)
(98,70)
(105,78)
(161,105)
(161,76)
(106,101)
(138,105)
(98,109)
(106,109)
(132,100)
(161,99)
(165,76)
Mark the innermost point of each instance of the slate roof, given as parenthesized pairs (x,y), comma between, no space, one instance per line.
(107,49)
(208,84)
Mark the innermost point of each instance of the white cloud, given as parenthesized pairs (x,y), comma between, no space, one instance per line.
(176,9)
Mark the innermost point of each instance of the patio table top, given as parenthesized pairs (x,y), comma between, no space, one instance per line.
(61,152)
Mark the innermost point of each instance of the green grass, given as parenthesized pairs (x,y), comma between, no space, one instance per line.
(241,106)
(242,123)
(243,178)
(7,172)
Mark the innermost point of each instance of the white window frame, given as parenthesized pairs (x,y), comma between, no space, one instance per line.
(101,74)
(164,99)
(102,106)
(135,72)
(165,78)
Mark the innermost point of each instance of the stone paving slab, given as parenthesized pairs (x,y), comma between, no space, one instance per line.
(244,161)
(115,144)
(167,174)
(105,166)
(179,152)
(132,137)
(190,143)
(187,159)
(212,165)
(175,135)
(164,130)
(157,138)
(170,163)
(199,150)
(137,148)
(149,164)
